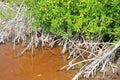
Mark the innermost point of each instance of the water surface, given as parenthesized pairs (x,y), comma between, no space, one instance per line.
(43,66)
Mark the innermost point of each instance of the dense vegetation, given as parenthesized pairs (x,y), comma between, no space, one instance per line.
(91,18)
(73,20)
(8,12)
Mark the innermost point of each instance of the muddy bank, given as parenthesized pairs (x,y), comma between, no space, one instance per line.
(43,66)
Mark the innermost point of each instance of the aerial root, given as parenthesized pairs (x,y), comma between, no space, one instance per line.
(103,60)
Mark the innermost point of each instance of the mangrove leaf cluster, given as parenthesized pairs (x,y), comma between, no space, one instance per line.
(91,18)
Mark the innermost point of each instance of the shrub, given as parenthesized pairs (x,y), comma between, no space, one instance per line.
(92,18)
(8,8)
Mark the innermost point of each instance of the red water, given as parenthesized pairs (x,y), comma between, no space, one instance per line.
(43,66)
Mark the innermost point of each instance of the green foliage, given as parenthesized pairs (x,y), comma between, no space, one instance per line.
(70,17)
(6,15)
(7,10)
(13,2)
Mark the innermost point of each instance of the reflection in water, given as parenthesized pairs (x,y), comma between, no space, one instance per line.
(42,66)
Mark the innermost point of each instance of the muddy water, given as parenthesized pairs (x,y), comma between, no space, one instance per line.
(43,66)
